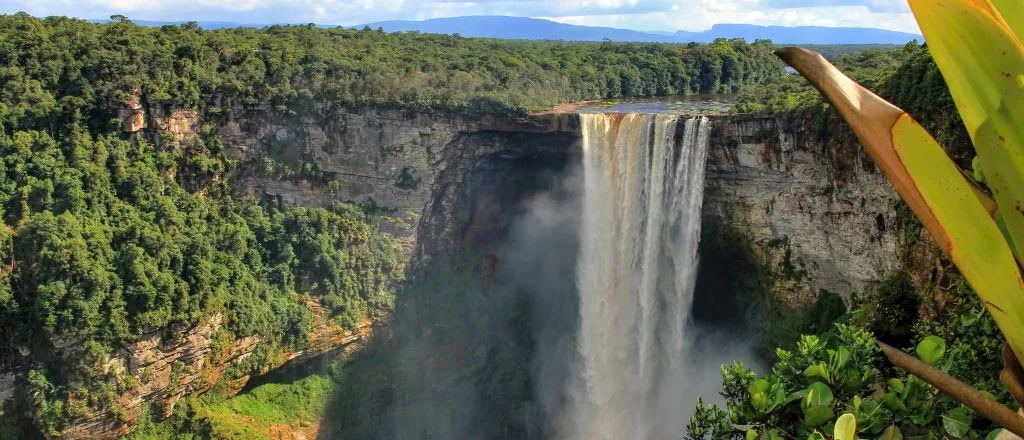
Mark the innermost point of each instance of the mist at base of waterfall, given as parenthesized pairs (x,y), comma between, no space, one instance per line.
(474,355)
(618,357)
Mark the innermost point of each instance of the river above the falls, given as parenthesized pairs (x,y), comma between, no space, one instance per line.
(703,104)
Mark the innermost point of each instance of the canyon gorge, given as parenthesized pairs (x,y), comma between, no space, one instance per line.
(809,209)
(297,231)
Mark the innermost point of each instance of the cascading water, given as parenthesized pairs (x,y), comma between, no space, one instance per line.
(643,190)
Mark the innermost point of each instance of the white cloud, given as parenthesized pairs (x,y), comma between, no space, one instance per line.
(722,12)
(665,15)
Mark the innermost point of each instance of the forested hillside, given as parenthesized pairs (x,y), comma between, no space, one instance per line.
(68,68)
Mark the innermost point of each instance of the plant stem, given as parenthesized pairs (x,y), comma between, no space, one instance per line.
(963,393)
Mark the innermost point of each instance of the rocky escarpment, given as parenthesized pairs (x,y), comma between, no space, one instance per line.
(812,207)
(421,171)
(814,210)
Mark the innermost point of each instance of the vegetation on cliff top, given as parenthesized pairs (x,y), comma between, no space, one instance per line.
(907,76)
(58,70)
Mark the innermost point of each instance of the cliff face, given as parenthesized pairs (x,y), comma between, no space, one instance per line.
(817,215)
(814,209)
(413,167)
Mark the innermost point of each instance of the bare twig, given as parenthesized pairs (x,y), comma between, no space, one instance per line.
(965,394)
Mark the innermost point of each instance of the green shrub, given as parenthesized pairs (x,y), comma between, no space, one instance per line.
(812,385)
(406,180)
(247,416)
(975,348)
(890,310)
(781,325)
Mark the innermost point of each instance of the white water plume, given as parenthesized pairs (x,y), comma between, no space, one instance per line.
(642,196)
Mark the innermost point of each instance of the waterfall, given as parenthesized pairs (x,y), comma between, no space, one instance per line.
(643,190)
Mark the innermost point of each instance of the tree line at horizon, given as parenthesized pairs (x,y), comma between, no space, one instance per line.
(69,68)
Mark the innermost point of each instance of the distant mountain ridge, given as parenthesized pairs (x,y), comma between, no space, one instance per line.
(523,28)
(491,26)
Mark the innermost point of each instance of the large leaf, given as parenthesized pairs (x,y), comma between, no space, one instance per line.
(816,416)
(982,59)
(951,208)
(817,370)
(818,394)
(1012,11)
(957,422)
(931,350)
(846,427)
(891,433)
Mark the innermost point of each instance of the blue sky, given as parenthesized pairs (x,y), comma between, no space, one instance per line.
(649,15)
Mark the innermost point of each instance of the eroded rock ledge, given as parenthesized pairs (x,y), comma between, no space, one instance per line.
(813,206)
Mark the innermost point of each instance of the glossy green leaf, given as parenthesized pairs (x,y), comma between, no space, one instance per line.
(891,433)
(846,427)
(818,394)
(815,416)
(759,401)
(896,385)
(818,371)
(957,423)
(751,434)
(842,357)
(894,402)
(931,349)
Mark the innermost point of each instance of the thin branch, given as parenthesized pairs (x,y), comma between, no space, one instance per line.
(1012,374)
(965,394)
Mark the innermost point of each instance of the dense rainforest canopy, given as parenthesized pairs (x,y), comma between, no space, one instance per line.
(66,68)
